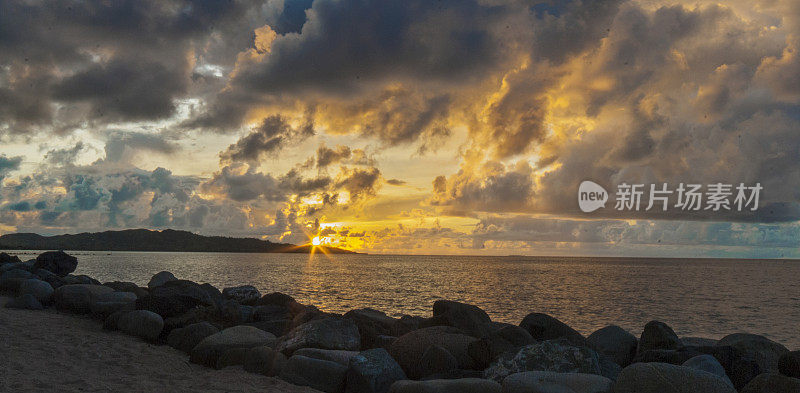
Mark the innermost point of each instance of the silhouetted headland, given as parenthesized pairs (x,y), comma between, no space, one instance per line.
(167,240)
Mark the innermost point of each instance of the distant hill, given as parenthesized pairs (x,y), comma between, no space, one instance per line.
(147,240)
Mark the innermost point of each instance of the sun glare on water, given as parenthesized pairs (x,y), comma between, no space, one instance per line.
(316,241)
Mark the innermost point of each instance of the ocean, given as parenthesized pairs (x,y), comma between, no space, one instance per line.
(696,297)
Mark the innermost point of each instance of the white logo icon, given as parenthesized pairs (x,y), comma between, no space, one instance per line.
(591,196)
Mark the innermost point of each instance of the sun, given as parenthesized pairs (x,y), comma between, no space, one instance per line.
(316,241)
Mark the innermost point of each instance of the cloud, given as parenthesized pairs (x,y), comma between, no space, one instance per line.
(268,138)
(122,145)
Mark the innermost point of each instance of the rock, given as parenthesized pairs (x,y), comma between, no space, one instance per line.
(328,333)
(208,351)
(234,313)
(78,298)
(160,279)
(331,355)
(5,258)
(436,361)
(80,279)
(49,277)
(213,293)
(544,327)
(231,357)
(615,342)
(141,323)
(16,273)
(708,364)
(244,294)
(789,364)
(551,382)
(384,342)
(195,315)
(471,319)
(763,350)
(186,338)
(406,324)
(111,322)
(671,356)
(668,378)
(464,385)
(174,298)
(373,371)
(271,312)
(117,297)
(57,262)
(277,327)
(25,302)
(41,290)
(409,348)
(371,324)
(555,355)
(124,286)
(318,374)
(698,342)
(608,368)
(278,299)
(772,383)
(658,335)
(264,360)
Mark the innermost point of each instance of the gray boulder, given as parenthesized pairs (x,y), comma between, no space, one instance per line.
(16,273)
(331,355)
(264,360)
(327,333)
(141,323)
(409,348)
(208,351)
(244,294)
(78,298)
(373,371)
(186,338)
(551,382)
(436,361)
(658,335)
(25,302)
(371,324)
(57,262)
(160,279)
(6,258)
(555,355)
(318,374)
(125,286)
(231,357)
(544,327)
(51,278)
(709,364)
(236,314)
(668,378)
(763,350)
(174,298)
(615,342)
(471,319)
(463,385)
(772,383)
(42,291)
(698,341)
(789,364)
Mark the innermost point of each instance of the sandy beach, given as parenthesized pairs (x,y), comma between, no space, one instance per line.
(47,351)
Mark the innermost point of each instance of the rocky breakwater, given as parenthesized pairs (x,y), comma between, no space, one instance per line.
(457,349)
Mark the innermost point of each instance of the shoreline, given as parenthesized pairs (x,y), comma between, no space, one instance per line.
(240,330)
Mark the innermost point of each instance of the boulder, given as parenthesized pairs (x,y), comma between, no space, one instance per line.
(141,323)
(436,361)
(318,374)
(51,278)
(763,350)
(124,286)
(16,273)
(373,371)
(772,383)
(555,355)
(463,385)
(11,285)
(208,351)
(698,341)
(160,279)
(233,313)
(615,342)
(708,364)
(608,368)
(409,348)
(371,324)
(331,355)
(551,382)
(471,319)
(244,294)
(668,378)
(231,357)
(406,324)
(186,338)
(174,298)
(41,290)
(544,327)
(271,312)
(57,262)
(264,360)
(213,293)
(25,302)
(278,299)
(78,298)
(658,335)
(277,327)
(327,333)
(789,364)
(5,258)
(111,322)
(671,356)
(80,279)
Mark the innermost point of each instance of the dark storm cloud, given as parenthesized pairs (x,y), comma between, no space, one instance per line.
(293,16)
(327,156)
(243,183)
(65,156)
(7,165)
(359,182)
(492,188)
(121,144)
(269,137)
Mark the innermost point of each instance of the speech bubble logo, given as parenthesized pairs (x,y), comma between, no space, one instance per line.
(591,196)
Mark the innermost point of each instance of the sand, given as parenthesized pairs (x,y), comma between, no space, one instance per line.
(47,351)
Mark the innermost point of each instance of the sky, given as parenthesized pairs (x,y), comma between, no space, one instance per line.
(404,126)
